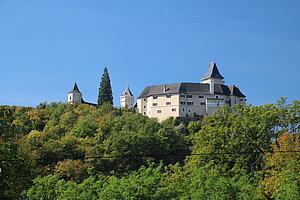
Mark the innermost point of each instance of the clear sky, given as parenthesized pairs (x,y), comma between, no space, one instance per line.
(45,46)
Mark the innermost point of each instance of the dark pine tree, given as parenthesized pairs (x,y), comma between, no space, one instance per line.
(105,91)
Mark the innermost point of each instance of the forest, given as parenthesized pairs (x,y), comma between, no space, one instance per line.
(82,152)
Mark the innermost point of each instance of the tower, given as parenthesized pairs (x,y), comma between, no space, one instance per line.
(75,95)
(127,99)
(212,77)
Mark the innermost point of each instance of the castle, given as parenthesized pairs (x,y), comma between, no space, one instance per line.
(189,99)
(179,99)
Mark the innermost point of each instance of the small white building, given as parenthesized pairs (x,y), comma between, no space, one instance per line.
(75,96)
(127,99)
(189,99)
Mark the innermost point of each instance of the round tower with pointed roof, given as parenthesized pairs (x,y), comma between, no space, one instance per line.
(75,95)
(127,99)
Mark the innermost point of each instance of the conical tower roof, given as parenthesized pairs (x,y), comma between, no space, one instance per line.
(212,72)
(75,89)
(127,91)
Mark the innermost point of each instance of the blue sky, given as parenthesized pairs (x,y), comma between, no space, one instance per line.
(47,45)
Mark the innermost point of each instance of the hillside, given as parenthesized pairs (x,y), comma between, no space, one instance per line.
(65,151)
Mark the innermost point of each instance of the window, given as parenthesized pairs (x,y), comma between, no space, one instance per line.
(144,99)
(158,111)
(70,98)
(182,102)
(218,104)
(168,96)
(189,96)
(154,97)
(202,103)
(144,113)
(144,106)
(190,103)
(190,111)
(183,109)
(200,96)
(241,99)
(154,104)
(173,109)
(182,95)
(217,97)
(168,103)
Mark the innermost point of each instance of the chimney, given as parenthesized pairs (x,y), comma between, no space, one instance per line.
(166,89)
(212,86)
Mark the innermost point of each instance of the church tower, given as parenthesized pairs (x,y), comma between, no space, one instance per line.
(212,77)
(127,99)
(75,95)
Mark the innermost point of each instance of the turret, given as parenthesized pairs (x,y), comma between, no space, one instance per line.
(212,77)
(127,99)
(75,95)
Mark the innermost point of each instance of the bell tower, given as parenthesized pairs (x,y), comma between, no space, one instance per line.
(75,95)
(212,77)
(127,99)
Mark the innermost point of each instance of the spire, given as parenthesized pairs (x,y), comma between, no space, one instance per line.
(75,89)
(212,72)
(127,91)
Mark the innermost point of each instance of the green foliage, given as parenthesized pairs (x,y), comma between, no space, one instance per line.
(73,170)
(6,119)
(193,127)
(131,139)
(235,141)
(141,184)
(105,91)
(64,151)
(289,182)
(282,177)
(15,171)
(148,183)
(84,128)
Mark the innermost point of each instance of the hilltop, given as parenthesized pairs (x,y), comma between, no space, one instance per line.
(71,151)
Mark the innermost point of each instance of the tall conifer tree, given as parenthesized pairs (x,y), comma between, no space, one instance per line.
(105,91)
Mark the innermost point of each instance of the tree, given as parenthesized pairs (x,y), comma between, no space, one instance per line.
(281,179)
(72,170)
(236,141)
(105,91)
